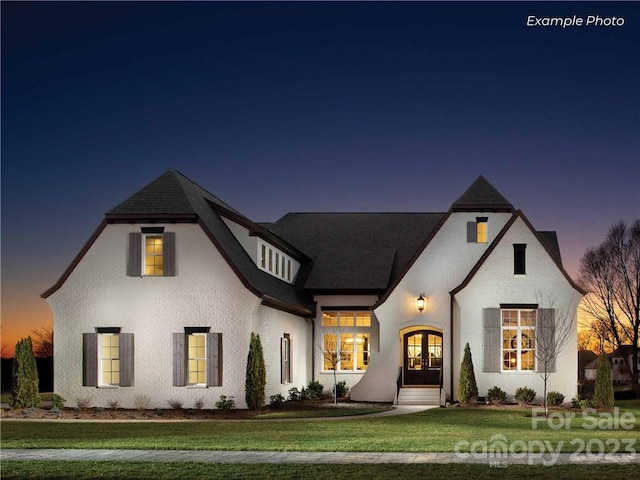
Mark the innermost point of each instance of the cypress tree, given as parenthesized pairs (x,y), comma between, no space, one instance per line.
(256,374)
(603,390)
(467,387)
(24,393)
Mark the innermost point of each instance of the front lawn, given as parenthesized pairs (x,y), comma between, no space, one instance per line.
(437,430)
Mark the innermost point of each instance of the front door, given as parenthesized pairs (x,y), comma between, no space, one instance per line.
(422,358)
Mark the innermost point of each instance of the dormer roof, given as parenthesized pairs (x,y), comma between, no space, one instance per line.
(482,196)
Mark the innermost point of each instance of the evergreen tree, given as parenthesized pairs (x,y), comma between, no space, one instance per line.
(24,393)
(603,390)
(256,374)
(467,387)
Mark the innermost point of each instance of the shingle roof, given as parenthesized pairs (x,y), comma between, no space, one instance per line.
(481,195)
(356,251)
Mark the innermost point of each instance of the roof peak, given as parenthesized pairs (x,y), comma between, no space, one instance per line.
(481,195)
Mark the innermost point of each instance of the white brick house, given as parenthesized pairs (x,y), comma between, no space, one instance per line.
(163,298)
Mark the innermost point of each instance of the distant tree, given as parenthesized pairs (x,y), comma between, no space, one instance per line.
(603,389)
(24,393)
(43,342)
(467,386)
(611,272)
(256,374)
(4,353)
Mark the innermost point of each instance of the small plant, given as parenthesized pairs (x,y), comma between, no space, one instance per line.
(159,412)
(496,395)
(276,400)
(76,409)
(315,389)
(525,395)
(84,402)
(29,411)
(55,411)
(175,404)
(586,403)
(57,402)
(341,389)
(99,409)
(141,402)
(226,403)
(294,394)
(112,404)
(199,403)
(555,398)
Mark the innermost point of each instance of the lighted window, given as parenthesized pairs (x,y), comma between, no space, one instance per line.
(347,340)
(197,360)
(153,256)
(481,232)
(518,340)
(109,359)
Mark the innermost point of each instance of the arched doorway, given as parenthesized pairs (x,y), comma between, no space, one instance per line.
(422,358)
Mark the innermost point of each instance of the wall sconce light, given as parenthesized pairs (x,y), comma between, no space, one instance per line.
(421,302)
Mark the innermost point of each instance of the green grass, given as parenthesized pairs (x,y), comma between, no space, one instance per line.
(436,430)
(195,471)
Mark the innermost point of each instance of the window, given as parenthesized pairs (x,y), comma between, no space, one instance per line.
(151,253)
(477,231)
(197,358)
(285,358)
(518,340)
(519,258)
(346,340)
(107,358)
(275,262)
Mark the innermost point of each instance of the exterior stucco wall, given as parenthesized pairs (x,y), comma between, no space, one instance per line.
(204,293)
(441,267)
(495,284)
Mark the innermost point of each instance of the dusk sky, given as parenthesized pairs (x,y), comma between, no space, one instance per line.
(328,106)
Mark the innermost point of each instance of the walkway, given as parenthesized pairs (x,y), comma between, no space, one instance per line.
(214,456)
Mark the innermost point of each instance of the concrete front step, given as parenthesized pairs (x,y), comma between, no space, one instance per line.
(419,396)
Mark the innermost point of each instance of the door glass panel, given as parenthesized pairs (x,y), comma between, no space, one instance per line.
(435,351)
(414,352)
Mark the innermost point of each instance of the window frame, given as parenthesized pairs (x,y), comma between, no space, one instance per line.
(518,349)
(196,359)
(347,332)
(519,258)
(155,255)
(102,359)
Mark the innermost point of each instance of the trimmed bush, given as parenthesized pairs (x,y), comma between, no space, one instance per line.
(316,389)
(24,393)
(603,390)
(525,395)
(555,398)
(294,394)
(467,387)
(256,374)
(496,395)
(276,400)
(341,389)
(226,403)
(57,402)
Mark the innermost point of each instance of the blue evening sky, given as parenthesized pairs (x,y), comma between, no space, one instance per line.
(310,106)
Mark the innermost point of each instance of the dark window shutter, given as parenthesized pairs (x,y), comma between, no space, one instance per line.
(126,359)
(546,340)
(134,258)
(214,359)
(90,359)
(492,340)
(179,360)
(169,254)
(285,359)
(472,232)
(289,362)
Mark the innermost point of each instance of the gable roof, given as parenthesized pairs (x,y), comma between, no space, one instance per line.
(481,196)
(356,251)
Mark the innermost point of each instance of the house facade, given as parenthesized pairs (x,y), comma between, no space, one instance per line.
(162,299)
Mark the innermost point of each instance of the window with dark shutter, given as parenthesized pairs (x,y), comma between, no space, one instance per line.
(546,347)
(159,253)
(108,358)
(90,359)
(188,362)
(492,339)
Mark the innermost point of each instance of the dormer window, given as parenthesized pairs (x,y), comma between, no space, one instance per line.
(275,262)
(151,253)
(477,231)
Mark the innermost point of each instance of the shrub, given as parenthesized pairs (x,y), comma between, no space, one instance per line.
(341,389)
(294,394)
(305,394)
(199,403)
(496,395)
(315,389)
(226,403)
(141,402)
(84,402)
(603,390)
(175,404)
(256,374)
(57,402)
(276,400)
(525,395)
(25,377)
(99,409)
(467,388)
(55,410)
(555,398)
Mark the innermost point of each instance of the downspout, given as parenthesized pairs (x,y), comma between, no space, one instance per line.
(313,349)
(451,342)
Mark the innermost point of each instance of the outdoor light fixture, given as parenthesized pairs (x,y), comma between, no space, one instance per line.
(421,302)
